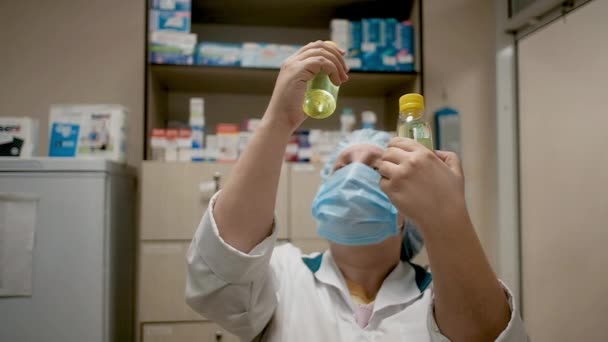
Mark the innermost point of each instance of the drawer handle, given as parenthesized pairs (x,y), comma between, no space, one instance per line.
(218,336)
(211,187)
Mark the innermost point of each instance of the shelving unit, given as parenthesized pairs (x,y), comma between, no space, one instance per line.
(233,94)
(235,80)
(171,203)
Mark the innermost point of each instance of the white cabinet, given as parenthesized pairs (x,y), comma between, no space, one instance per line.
(186,332)
(174,197)
(162,282)
(304,182)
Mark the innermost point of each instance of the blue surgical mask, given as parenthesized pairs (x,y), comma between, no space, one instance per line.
(351,209)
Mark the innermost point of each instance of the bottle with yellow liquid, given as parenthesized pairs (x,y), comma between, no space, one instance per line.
(411,123)
(321,95)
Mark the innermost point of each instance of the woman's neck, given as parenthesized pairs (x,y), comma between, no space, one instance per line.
(367,266)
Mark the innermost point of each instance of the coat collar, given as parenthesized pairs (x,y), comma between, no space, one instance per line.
(405,283)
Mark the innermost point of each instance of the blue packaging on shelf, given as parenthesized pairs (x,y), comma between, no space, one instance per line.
(354,57)
(64,139)
(388,53)
(373,38)
(176,21)
(172,5)
(406,46)
(222,54)
(170,57)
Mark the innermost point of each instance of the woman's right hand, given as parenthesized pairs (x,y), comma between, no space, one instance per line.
(285,105)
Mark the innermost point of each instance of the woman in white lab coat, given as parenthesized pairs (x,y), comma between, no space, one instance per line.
(374,192)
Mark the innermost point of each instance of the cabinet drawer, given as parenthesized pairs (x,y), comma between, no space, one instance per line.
(172,203)
(186,332)
(308,246)
(162,283)
(304,182)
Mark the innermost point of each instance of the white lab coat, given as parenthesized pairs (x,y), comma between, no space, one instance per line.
(278,294)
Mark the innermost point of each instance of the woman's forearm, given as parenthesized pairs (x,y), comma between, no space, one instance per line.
(244,211)
(470,304)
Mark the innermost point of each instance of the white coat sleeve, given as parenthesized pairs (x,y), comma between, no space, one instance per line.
(514,332)
(232,288)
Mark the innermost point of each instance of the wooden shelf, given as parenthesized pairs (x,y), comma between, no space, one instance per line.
(295,13)
(199,78)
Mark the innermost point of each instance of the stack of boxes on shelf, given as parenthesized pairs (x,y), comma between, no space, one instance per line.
(373,44)
(248,55)
(170,39)
(376,44)
(189,143)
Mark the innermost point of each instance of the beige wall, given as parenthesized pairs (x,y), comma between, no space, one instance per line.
(71,51)
(459,45)
(564,177)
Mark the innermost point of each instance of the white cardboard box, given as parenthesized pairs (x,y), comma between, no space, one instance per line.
(18,137)
(88,131)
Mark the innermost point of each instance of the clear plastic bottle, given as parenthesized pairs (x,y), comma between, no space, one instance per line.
(321,95)
(347,121)
(411,122)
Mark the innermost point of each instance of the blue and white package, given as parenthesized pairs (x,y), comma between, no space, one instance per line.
(64,139)
(176,21)
(170,57)
(172,5)
(388,53)
(88,131)
(405,45)
(373,38)
(172,47)
(223,54)
(264,55)
(340,33)
(353,58)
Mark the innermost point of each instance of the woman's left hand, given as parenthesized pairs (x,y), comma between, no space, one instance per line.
(425,186)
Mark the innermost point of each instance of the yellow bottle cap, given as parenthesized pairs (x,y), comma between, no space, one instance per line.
(331,42)
(410,102)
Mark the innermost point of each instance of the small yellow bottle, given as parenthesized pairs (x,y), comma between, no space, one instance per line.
(321,95)
(411,122)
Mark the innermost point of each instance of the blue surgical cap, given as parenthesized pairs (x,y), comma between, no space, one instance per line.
(412,239)
(362,136)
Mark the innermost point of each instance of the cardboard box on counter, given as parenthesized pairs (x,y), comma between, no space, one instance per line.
(18,137)
(88,131)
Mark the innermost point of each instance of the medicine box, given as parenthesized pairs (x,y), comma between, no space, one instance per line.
(158,141)
(176,21)
(186,42)
(172,5)
(223,54)
(18,136)
(227,142)
(354,56)
(88,131)
(263,55)
(405,45)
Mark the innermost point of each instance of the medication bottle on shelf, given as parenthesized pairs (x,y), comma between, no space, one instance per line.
(321,95)
(368,119)
(347,121)
(411,123)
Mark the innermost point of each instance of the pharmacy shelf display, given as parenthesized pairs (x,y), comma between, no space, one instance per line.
(239,80)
